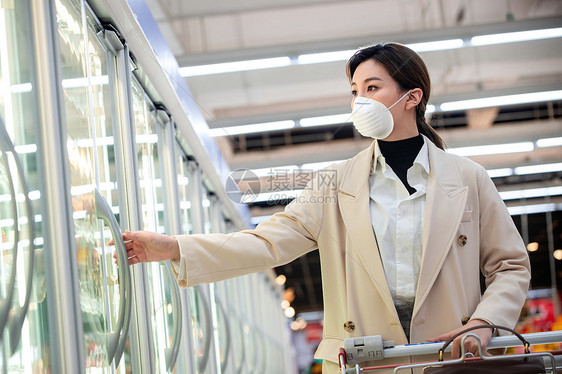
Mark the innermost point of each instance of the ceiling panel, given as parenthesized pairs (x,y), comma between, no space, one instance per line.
(207,32)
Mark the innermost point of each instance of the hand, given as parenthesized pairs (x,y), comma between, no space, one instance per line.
(146,246)
(470,344)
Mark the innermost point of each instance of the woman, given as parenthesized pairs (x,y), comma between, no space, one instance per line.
(403,233)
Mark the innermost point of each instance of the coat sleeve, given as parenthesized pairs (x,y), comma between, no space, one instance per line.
(207,258)
(504,261)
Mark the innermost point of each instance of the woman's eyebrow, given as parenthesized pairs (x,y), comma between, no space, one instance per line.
(368,80)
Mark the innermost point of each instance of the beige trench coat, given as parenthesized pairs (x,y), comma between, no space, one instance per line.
(466,230)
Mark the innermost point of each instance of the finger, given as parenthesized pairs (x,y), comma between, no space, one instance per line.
(456,351)
(127,235)
(110,242)
(440,338)
(133,260)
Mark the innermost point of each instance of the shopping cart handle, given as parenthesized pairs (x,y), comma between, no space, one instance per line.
(359,350)
(366,348)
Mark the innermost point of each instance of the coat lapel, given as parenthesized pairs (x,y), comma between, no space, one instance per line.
(444,206)
(353,199)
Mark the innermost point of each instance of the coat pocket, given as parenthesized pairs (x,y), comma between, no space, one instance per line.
(329,349)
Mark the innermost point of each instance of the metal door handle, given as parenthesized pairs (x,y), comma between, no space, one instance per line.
(208,328)
(15,318)
(116,339)
(220,309)
(6,146)
(173,351)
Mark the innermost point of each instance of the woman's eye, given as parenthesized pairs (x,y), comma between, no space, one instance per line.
(354,93)
(371,88)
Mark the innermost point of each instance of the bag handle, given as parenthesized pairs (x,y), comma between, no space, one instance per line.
(526,344)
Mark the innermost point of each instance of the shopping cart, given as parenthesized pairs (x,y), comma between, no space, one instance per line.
(371,348)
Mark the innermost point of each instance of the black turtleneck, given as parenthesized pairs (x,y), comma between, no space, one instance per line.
(400,156)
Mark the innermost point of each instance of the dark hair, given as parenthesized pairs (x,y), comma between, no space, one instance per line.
(408,69)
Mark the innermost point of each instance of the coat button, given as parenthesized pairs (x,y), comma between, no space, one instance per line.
(461,240)
(349,326)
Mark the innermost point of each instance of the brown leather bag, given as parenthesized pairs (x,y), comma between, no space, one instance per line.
(510,364)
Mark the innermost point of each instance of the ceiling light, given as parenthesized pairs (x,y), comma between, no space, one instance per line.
(289,312)
(430,108)
(322,57)
(315,58)
(275,171)
(534,169)
(280,280)
(533,246)
(228,67)
(439,45)
(557,254)
(518,36)
(319,165)
(549,142)
(486,102)
(531,192)
(326,120)
(248,129)
(531,209)
(493,149)
(498,173)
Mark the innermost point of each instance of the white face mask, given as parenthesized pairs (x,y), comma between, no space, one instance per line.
(371,118)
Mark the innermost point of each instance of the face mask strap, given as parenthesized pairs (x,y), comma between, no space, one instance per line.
(397,101)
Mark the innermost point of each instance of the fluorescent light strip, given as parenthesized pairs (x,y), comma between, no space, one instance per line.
(493,149)
(315,58)
(535,208)
(275,171)
(501,100)
(319,165)
(253,128)
(518,36)
(326,120)
(498,173)
(323,57)
(531,193)
(228,67)
(549,142)
(534,169)
(439,45)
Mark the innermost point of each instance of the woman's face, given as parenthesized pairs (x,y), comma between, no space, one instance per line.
(371,80)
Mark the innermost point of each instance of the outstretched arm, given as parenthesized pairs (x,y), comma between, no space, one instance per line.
(146,246)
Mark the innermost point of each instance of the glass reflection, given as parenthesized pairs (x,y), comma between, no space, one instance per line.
(29,350)
(147,125)
(90,147)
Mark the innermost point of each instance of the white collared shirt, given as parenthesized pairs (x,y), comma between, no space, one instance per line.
(397,220)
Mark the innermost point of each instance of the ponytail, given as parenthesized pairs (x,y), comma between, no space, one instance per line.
(425,129)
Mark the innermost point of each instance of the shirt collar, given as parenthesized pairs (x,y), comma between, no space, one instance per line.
(422,158)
